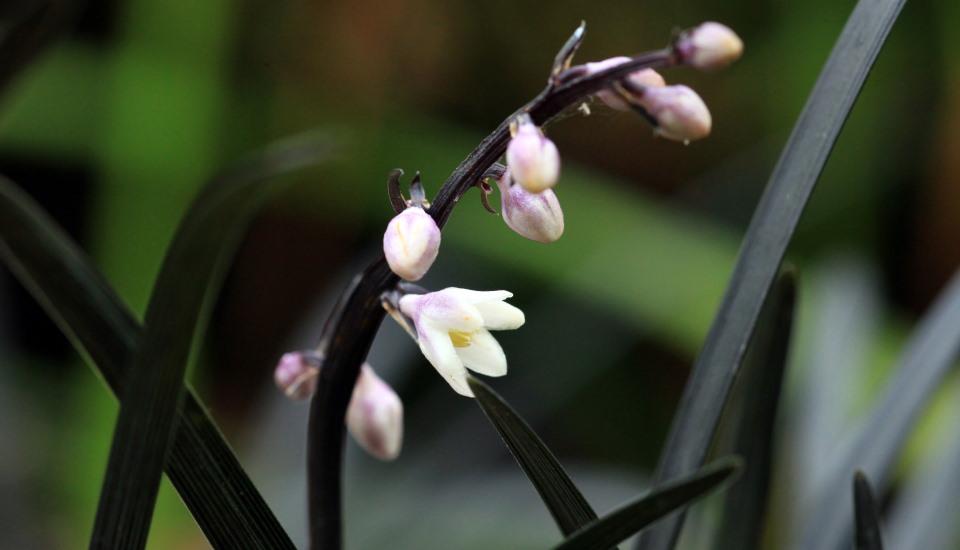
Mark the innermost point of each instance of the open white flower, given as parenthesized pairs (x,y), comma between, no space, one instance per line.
(452,330)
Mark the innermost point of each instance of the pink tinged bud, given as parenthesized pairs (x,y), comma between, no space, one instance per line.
(537,217)
(639,79)
(375,416)
(709,46)
(680,113)
(295,376)
(532,158)
(411,243)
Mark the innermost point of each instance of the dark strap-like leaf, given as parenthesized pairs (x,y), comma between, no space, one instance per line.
(567,505)
(201,466)
(153,391)
(931,352)
(868,515)
(745,504)
(617,526)
(765,244)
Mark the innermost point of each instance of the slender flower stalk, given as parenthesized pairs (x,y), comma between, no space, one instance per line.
(352,334)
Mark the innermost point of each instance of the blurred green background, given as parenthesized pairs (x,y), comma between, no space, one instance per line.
(116,125)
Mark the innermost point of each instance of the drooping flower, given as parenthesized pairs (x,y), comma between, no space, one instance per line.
(411,243)
(535,216)
(680,113)
(709,46)
(638,80)
(453,331)
(375,416)
(532,157)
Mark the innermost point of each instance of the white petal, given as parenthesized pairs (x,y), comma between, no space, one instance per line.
(438,349)
(459,384)
(484,355)
(501,316)
(444,311)
(476,296)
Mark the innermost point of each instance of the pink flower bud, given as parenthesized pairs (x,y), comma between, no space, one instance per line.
(680,113)
(532,158)
(641,78)
(709,46)
(375,416)
(535,216)
(296,375)
(411,243)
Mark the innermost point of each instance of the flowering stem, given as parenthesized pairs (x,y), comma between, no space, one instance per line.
(351,335)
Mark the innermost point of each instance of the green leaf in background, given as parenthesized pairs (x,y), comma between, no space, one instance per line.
(567,505)
(745,505)
(765,244)
(623,522)
(867,514)
(201,466)
(927,359)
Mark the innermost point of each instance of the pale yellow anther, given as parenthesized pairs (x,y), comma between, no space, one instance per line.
(461,339)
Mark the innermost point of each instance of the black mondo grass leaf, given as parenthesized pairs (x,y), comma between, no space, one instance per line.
(152,392)
(765,244)
(745,503)
(927,359)
(616,526)
(569,508)
(867,514)
(201,465)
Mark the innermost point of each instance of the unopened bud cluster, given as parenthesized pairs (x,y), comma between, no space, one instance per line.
(677,111)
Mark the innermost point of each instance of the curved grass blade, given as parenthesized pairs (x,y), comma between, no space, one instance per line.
(927,359)
(152,393)
(567,505)
(745,504)
(924,513)
(201,466)
(867,514)
(38,24)
(617,526)
(765,243)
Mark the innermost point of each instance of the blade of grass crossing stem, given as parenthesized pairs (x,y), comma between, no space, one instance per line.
(868,517)
(765,243)
(201,466)
(617,526)
(152,394)
(567,505)
(929,355)
(745,504)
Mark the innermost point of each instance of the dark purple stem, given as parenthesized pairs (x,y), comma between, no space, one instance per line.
(351,336)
